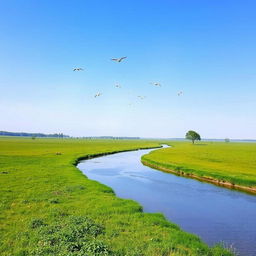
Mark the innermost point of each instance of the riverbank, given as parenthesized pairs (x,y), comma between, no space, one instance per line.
(228,165)
(220,183)
(49,207)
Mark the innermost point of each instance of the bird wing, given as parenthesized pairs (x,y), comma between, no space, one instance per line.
(115,59)
(122,58)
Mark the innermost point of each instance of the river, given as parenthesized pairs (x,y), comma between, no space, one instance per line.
(215,214)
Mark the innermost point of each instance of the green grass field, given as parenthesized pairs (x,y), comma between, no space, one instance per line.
(232,162)
(48,207)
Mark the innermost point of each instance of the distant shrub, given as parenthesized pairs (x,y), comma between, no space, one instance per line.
(227,140)
(54,201)
(35,223)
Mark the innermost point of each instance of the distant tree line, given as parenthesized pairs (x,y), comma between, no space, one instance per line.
(33,135)
(61,135)
(112,138)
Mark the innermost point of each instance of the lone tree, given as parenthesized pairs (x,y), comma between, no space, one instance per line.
(192,135)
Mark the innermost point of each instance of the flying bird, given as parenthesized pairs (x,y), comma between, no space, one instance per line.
(78,69)
(180,93)
(97,94)
(141,97)
(119,59)
(156,84)
(118,86)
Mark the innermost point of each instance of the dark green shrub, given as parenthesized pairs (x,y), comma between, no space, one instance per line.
(72,236)
(35,223)
(54,201)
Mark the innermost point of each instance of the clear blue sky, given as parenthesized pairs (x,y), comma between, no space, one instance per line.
(205,48)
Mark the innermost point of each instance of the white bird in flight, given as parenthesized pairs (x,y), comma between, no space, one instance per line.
(118,86)
(156,84)
(119,59)
(97,94)
(180,93)
(78,69)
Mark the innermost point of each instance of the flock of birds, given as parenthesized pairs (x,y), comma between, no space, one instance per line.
(180,93)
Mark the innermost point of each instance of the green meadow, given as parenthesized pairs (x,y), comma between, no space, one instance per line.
(231,162)
(48,207)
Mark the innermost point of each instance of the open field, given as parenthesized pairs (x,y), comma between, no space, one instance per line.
(48,207)
(228,164)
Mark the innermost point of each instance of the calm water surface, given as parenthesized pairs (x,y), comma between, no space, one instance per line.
(215,214)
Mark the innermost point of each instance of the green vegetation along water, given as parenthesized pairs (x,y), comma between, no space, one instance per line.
(48,207)
(228,164)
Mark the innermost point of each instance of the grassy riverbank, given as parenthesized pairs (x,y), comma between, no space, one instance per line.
(48,207)
(227,164)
